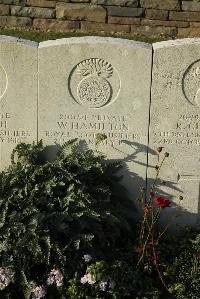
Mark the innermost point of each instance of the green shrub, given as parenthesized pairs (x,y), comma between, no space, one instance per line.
(58,204)
(67,231)
(183,265)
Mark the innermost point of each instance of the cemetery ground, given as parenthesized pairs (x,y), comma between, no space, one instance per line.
(38,36)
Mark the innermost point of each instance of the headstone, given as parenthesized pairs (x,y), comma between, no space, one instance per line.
(18,95)
(93,85)
(175,124)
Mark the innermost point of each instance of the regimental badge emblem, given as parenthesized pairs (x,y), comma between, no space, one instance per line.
(191,83)
(94,83)
(3,82)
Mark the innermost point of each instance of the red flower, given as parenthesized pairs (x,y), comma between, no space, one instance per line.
(162,202)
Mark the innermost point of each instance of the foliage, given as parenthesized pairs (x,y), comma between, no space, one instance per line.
(183,265)
(176,259)
(39,36)
(119,279)
(67,232)
(57,204)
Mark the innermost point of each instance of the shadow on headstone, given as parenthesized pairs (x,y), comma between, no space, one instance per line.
(180,215)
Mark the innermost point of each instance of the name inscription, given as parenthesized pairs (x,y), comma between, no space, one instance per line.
(116,128)
(186,131)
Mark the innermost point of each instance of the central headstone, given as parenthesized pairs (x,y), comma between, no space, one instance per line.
(93,85)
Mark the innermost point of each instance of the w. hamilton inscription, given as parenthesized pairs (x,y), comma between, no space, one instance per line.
(86,126)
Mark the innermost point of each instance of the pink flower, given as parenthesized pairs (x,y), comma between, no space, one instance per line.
(87,278)
(38,291)
(162,202)
(87,258)
(56,277)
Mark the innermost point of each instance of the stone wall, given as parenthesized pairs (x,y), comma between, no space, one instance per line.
(173,18)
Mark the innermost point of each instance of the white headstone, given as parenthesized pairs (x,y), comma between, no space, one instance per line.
(18,95)
(93,85)
(175,123)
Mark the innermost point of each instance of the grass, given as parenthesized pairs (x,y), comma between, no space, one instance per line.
(39,36)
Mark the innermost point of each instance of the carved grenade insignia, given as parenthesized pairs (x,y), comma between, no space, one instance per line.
(94,90)
(3,81)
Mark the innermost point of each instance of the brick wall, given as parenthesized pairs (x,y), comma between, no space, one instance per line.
(133,17)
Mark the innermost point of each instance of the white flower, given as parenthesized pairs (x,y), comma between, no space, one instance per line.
(6,277)
(108,283)
(50,280)
(38,291)
(103,285)
(84,279)
(87,278)
(56,277)
(87,258)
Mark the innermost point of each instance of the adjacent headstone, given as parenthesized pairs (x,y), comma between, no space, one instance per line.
(175,124)
(93,85)
(18,95)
